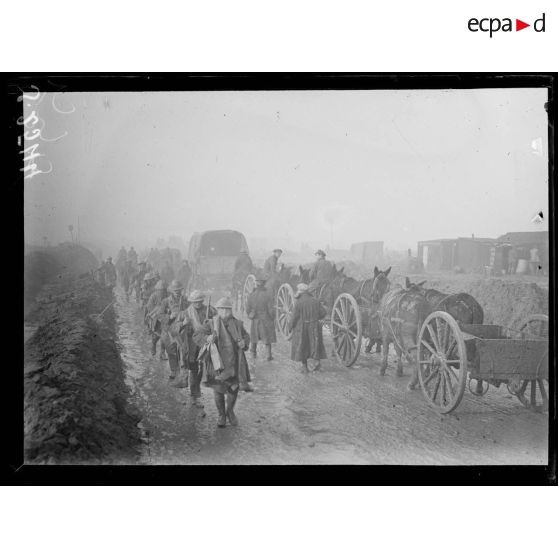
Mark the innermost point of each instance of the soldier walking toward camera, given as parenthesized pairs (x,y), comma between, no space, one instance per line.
(196,315)
(307,341)
(231,340)
(173,307)
(154,309)
(261,311)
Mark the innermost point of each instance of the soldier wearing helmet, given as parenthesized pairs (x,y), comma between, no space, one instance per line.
(230,338)
(172,338)
(197,314)
(154,316)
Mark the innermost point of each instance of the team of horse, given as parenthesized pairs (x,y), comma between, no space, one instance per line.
(393,313)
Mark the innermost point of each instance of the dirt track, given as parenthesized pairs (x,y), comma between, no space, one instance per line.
(338,415)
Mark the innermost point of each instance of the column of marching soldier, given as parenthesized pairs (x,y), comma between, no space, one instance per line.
(196,337)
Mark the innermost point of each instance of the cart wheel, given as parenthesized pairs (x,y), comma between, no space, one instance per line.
(442,361)
(533,393)
(346,329)
(249,286)
(534,327)
(284,309)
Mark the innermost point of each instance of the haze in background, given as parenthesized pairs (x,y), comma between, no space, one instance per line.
(309,166)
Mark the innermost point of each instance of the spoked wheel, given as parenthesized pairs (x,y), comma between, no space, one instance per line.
(249,286)
(284,309)
(442,362)
(533,393)
(346,329)
(534,327)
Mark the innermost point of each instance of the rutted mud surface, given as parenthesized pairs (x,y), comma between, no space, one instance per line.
(338,415)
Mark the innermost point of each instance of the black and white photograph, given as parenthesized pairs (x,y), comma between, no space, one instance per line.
(325,275)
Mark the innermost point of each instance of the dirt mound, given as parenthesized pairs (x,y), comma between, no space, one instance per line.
(45,265)
(76,408)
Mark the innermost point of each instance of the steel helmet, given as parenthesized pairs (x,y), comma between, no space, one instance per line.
(175,286)
(196,296)
(224,302)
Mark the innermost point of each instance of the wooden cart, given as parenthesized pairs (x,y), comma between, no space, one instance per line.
(450,355)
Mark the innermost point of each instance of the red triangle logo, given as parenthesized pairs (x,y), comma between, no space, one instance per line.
(519,25)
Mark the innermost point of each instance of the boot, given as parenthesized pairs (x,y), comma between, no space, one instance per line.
(253,351)
(269,356)
(231,401)
(318,366)
(220,404)
(304,368)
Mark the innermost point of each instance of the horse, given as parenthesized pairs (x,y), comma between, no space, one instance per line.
(463,307)
(401,313)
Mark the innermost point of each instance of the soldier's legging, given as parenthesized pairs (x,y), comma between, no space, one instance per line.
(173,354)
(196,373)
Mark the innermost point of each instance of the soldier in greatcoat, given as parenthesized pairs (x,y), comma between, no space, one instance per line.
(232,341)
(261,311)
(307,341)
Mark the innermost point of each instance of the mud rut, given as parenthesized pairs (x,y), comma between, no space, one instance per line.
(338,415)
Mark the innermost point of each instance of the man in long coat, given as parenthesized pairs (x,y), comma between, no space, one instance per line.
(195,316)
(261,311)
(231,340)
(321,272)
(307,341)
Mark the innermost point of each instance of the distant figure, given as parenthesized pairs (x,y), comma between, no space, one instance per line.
(167,273)
(321,272)
(271,271)
(261,310)
(535,260)
(121,263)
(110,273)
(133,257)
(512,260)
(184,273)
(270,266)
(307,341)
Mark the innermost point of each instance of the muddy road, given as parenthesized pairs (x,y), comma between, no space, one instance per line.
(335,416)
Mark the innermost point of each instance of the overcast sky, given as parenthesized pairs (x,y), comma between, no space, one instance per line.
(398,166)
